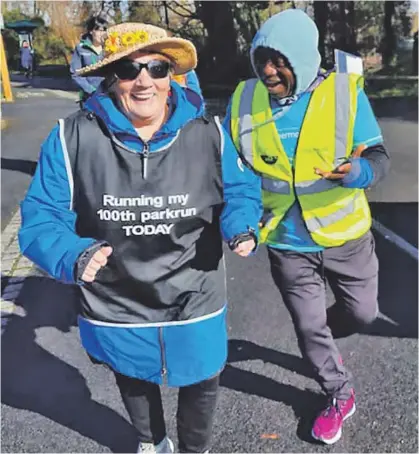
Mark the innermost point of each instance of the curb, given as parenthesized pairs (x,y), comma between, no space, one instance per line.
(15,268)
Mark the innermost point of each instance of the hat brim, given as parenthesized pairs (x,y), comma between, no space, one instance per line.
(181,52)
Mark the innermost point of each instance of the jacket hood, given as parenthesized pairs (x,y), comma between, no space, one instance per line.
(295,35)
(86,40)
(185,105)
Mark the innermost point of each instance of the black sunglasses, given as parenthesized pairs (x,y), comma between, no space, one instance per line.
(129,70)
(100,28)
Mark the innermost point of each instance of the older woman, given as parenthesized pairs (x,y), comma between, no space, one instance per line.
(125,203)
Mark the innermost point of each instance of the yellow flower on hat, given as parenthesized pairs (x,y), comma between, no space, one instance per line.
(111,43)
(141,36)
(128,39)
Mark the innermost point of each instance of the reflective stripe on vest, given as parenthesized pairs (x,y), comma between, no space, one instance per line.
(315,224)
(276,186)
(342,116)
(245,120)
(312,186)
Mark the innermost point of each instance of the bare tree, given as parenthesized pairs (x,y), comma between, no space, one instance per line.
(221,49)
(389,38)
(65,22)
(347,18)
(321,15)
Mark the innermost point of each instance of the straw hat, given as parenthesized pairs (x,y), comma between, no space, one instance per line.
(124,39)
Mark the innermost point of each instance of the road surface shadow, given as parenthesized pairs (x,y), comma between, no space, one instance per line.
(34,379)
(49,82)
(397,278)
(305,403)
(244,350)
(397,293)
(398,274)
(396,107)
(19,165)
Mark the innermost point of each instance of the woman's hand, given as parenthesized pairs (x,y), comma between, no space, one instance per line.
(245,248)
(98,261)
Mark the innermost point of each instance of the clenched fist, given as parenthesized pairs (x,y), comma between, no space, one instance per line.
(98,261)
(245,248)
(342,170)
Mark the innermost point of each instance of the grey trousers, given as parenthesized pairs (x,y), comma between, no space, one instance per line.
(352,273)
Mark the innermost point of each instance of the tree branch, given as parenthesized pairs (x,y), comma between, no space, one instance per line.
(189,16)
(184,9)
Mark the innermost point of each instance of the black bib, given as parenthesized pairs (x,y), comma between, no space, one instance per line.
(164,229)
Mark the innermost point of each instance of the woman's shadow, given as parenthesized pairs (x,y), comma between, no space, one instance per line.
(304,403)
(36,380)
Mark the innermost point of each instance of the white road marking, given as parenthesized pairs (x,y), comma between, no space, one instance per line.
(397,240)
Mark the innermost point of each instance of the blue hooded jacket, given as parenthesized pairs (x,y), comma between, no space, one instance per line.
(85,55)
(50,184)
(48,237)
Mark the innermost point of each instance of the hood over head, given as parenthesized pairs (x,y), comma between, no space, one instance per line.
(294,34)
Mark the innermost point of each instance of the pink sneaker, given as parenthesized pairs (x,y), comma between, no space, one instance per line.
(328,425)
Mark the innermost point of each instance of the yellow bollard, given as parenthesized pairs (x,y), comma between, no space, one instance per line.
(7,89)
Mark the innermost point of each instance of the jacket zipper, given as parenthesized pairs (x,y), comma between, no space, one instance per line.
(163,356)
(145,153)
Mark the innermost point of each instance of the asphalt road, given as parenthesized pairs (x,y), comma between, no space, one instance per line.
(29,121)
(55,400)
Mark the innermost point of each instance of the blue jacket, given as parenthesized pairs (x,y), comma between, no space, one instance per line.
(50,185)
(85,55)
(48,237)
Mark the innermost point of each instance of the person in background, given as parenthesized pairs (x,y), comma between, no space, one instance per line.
(126,203)
(86,53)
(26,58)
(314,145)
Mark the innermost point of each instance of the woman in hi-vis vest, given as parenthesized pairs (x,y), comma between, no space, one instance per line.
(313,145)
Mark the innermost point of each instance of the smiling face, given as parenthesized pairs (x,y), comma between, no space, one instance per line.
(144,99)
(274,71)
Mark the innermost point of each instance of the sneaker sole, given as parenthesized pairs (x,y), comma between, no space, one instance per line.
(171,446)
(331,441)
(171,449)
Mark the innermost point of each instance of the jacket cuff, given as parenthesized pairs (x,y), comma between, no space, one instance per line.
(360,175)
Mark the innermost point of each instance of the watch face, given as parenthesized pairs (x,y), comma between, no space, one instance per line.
(269,159)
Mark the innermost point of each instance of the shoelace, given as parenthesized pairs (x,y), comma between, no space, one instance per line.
(333,404)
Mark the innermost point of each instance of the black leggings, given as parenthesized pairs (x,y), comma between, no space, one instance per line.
(196,407)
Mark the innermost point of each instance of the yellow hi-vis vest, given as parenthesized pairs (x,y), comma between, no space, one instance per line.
(333,214)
